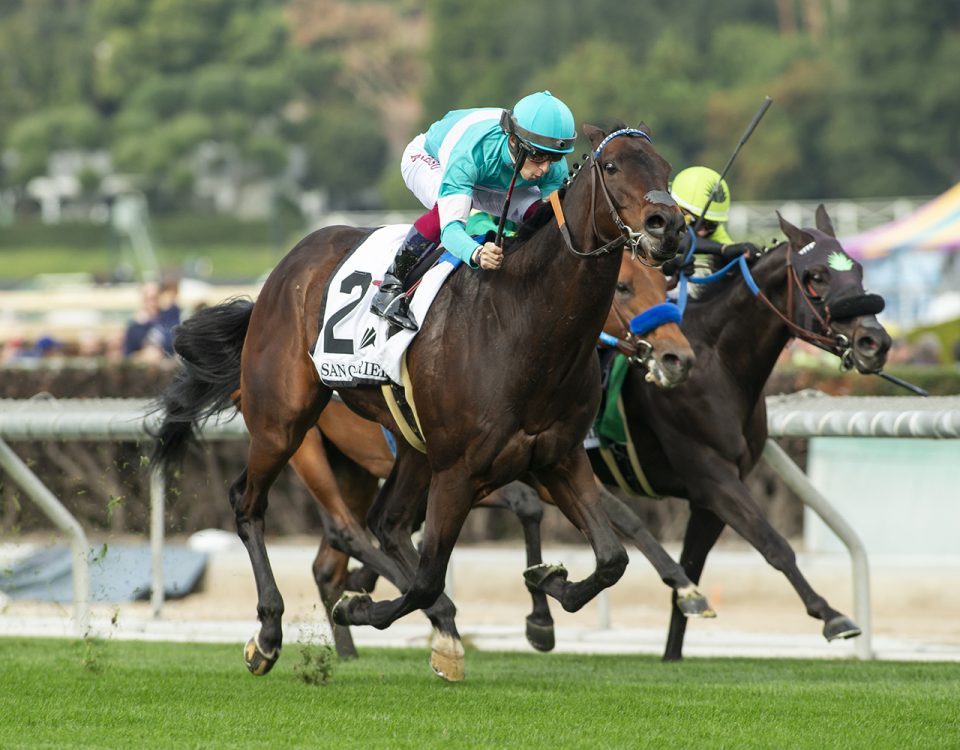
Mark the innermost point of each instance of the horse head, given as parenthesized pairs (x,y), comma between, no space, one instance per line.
(662,350)
(630,197)
(830,299)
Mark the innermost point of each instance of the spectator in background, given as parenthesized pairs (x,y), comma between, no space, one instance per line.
(149,336)
(170,313)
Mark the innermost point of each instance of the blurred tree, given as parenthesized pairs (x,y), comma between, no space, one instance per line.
(325,93)
(896,132)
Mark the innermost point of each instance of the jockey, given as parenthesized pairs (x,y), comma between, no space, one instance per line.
(468,159)
(691,189)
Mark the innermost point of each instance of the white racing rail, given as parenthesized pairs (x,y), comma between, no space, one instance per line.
(803,415)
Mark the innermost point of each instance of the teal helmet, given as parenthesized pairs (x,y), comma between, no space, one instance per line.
(543,122)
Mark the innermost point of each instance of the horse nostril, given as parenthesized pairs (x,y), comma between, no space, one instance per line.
(673,362)
(867,345)
(655,224)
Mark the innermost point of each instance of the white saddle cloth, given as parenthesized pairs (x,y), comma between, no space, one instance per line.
(355,347)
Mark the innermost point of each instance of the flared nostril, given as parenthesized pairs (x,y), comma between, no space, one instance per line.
(675,363)
(655,224)
(867,345)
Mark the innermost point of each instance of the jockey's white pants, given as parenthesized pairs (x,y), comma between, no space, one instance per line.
(422,174)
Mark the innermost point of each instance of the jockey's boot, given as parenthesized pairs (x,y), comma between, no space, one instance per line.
(390,302)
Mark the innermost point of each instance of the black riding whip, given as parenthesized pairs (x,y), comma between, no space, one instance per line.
(916,389)
(767,101)
(521,158)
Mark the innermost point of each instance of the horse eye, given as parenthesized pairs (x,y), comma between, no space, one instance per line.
(609,167)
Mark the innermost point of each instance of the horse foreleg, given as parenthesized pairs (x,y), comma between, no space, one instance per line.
(689,599)
(524,502)
(573,489)
(703,530)
(732,503)
(449,501)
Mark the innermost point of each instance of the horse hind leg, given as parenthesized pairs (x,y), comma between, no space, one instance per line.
(524,502)
(275,436)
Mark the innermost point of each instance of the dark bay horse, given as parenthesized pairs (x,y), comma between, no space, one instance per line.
(663,353)
(506,380)
(702,438)
(344,498)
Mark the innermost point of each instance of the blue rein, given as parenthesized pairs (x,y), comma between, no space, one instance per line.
(672,312)
(740,260)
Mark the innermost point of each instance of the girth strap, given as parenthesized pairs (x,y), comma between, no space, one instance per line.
(400,403)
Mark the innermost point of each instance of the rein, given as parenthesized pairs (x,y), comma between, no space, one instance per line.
(836,344)
(628,236)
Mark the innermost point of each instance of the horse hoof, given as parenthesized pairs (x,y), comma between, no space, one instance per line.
(541,637)
(258,662)
(694,604)
(345,609)
(840,626)
(537,575)
(446,657)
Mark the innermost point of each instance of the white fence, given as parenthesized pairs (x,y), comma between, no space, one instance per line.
(799,415)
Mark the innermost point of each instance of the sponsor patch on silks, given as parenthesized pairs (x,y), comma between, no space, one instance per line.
(355,347)
(839,261)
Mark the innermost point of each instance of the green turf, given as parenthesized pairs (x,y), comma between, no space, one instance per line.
(60,693)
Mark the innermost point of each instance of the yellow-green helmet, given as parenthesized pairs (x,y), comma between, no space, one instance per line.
(691,189)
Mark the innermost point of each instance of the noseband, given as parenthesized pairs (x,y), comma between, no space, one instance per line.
(628,236)
(844,308)
(632,345)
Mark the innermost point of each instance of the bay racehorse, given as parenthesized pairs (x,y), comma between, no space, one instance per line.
(700,440)
(506,380)
(635,325)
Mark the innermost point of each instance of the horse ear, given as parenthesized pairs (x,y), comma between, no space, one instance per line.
(645,128)
(823,222)
(797,237)
(594,133)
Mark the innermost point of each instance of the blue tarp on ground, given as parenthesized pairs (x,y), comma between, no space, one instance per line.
(118,573)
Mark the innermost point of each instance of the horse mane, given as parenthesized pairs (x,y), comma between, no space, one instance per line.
(532,225)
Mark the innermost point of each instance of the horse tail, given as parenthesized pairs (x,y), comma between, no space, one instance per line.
(209,344)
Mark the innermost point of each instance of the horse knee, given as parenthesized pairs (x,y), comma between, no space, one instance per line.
(610,569)
(425,591)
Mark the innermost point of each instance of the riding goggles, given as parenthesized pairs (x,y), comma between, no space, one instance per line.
(537,156)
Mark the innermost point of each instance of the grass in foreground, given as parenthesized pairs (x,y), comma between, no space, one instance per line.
(60,693)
